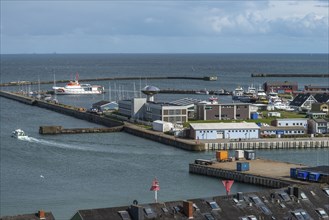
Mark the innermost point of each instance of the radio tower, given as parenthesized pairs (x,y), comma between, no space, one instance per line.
(155,187)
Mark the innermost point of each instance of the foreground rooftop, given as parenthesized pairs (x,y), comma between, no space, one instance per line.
(293,202)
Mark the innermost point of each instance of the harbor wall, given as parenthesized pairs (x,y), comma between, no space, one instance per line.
(237,176)
(60,130)
(63,109)
(259,144)
(164,139)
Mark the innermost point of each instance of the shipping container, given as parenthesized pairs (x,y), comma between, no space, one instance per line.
(302,174)
(250,154)
(314,176)
(222,155)
(239,154)
(254,115)
(242,166)
(293,173)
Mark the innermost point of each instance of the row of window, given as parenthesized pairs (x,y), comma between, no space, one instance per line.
(230,131)
(294,124)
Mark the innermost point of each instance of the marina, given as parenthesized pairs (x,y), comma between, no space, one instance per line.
(90,169)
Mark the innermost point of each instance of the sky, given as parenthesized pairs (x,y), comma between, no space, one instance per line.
(163,26)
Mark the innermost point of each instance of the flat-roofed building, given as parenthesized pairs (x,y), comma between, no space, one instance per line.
(280,87)
(318,126)
(223,111)
(208,131)
(290,122)
(132,108)
(280,131)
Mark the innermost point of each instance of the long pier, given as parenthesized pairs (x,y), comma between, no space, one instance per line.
(19,83)
(288,75)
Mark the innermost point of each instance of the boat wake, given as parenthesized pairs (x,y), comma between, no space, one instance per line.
(52,143)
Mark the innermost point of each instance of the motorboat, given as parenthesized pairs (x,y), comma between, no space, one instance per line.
(75,88)
(202,92)
(237,93)
(213,99)
(19,134)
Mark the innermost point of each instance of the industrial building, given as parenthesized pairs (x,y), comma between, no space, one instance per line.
(281,131)
(280,87)
(210,131)
(224,111)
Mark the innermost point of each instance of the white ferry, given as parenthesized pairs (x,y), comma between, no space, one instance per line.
(75,88)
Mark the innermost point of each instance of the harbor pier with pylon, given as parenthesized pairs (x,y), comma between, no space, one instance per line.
(268,173)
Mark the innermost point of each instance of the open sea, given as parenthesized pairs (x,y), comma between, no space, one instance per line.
(65,173)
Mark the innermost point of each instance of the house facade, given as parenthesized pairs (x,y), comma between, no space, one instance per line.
(212,131)
(223,111)
(290,122)
(318,126)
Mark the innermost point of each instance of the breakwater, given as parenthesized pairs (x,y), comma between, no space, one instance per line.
(19,83)
(269,144)
(61,130)
(288,75)
(79,113)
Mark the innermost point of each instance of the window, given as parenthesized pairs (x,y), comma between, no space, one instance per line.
(322,213)
(209,216)
(326,190)
(148,211)
(176,209)
(164,209)
(124,215)
(213,205)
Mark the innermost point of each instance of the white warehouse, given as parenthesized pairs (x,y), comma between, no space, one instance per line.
(212,131)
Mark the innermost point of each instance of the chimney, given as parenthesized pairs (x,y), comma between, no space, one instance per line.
(290,190)
(41,214)
(136,212)
(239,196)
(188,209)
(297,192)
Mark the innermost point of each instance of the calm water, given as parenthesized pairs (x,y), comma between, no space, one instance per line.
(104,170)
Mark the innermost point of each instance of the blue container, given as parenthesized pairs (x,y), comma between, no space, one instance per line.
(254,115)
(242,166)
(293,173)
(301,174)
(314,177)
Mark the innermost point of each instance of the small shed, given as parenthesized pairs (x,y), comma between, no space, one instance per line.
(162,126)
(274,114)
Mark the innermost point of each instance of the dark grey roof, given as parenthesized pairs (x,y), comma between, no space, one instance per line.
(100,103)
(322,98)
(48,215)
(277,203)
(300,99)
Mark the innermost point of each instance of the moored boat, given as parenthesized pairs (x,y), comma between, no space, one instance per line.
(75,88)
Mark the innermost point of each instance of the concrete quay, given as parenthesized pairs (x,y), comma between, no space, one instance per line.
(288,75)
(262,172)
(283,143)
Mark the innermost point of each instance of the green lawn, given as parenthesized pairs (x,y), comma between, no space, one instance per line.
(265,119)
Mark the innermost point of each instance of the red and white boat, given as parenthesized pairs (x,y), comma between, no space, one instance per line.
(75,88)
